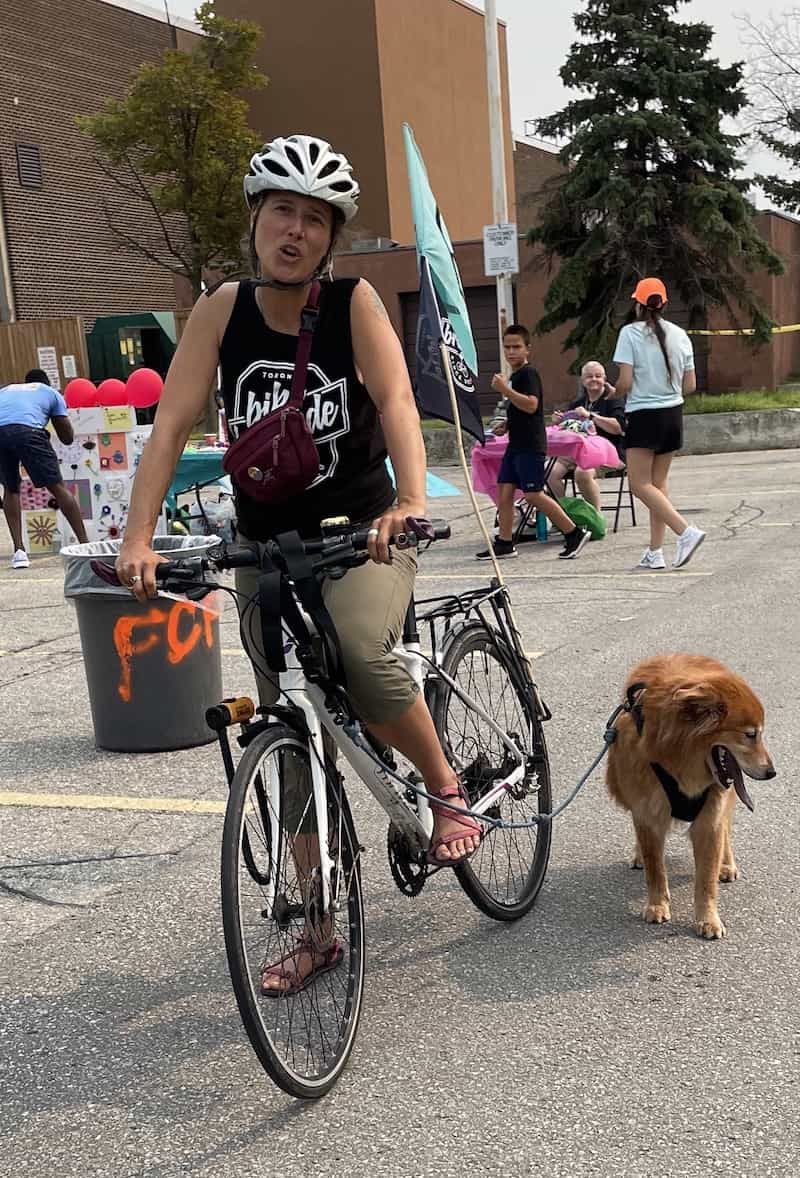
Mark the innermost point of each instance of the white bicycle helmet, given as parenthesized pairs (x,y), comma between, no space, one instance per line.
(306,165)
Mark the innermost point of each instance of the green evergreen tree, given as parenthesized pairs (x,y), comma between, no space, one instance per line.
(179,142)
(652,184)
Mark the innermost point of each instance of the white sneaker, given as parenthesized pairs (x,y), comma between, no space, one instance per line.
(20,560)
(652,560)
(688,543)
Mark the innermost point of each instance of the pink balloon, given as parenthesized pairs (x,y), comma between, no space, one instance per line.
(112,392)
(144,388)
(80,393)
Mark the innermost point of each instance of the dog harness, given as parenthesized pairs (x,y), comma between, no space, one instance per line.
(682,807)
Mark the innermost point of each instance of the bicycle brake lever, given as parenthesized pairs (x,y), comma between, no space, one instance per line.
(420,527)
(106,572)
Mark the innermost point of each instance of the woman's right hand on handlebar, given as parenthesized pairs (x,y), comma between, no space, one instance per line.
(135,567)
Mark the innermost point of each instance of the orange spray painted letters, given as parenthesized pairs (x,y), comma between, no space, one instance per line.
(157,627)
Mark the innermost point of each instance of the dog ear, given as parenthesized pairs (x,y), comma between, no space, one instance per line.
(702,705)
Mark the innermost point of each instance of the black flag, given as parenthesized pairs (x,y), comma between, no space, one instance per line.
(432,394)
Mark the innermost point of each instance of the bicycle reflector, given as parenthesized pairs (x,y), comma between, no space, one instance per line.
(230,711)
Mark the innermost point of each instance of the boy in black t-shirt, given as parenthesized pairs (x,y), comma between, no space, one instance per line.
(524,461)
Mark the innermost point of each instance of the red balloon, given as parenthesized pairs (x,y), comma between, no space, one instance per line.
(80,393)
(144,388)
(112,392)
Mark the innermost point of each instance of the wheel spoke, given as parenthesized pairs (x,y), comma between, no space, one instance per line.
(304,1038)
(508,867)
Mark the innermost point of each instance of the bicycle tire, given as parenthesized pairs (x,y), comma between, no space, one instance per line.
(302,1054)
(477,754)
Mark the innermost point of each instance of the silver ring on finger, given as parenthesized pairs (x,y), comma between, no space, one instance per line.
(133,581)
(373,532)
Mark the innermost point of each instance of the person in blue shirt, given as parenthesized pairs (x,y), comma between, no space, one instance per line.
(25,411)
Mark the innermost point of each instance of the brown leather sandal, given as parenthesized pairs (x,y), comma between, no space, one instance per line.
(471,828)
(330,956)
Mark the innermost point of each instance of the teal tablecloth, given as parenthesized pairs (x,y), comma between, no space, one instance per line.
(198,468)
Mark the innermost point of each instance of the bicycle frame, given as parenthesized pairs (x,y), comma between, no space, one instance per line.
(414,820)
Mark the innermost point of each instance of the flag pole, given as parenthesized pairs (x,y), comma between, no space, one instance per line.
(444,352)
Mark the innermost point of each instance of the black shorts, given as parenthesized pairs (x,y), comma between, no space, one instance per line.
(522,469)
(659,430)
(31,447)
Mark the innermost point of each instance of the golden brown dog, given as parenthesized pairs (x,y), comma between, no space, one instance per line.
(692,729)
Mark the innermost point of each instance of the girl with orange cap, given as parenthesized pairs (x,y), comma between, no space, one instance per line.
(656,372)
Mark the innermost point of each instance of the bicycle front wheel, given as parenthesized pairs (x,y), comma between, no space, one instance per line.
(505,874)
(275,925)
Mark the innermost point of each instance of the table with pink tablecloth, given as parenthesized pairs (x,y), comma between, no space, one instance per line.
(587,451)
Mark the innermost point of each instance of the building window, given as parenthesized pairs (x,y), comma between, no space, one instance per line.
(29,165)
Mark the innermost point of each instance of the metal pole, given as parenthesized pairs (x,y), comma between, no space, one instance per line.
(505,297)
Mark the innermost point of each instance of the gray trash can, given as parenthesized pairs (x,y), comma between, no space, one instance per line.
(152,668)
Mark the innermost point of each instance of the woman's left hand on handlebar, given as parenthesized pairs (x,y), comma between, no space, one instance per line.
(136,568)
(391,523)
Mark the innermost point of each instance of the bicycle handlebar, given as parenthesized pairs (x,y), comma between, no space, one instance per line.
(340,548)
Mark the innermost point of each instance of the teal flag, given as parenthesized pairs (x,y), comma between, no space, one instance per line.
(433,243)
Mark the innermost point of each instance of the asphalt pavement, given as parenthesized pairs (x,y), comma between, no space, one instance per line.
(577,1042)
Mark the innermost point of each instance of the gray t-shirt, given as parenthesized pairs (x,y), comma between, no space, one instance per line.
(652,387)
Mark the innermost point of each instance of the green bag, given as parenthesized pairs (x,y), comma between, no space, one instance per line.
(585,516)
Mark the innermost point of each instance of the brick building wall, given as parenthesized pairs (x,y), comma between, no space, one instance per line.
(60,59)
(536,170)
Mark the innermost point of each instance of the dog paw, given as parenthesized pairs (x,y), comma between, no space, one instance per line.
(711,929)
(657,913)
(636,862)
(728,872)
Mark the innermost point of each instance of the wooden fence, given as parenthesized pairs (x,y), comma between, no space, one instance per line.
(22,344)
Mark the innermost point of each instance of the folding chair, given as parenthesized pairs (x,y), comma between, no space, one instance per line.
(624,486)
(617,506)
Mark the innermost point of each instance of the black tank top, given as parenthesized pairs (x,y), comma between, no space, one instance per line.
(257,365)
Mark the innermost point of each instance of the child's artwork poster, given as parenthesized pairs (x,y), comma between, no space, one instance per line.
(82,490)
(112,452)
(41,531)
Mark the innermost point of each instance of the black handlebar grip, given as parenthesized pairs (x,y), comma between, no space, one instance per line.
(233,556)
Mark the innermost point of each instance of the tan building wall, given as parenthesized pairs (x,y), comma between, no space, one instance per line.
(536,172)
(323,67)
(433,76)
(370,66)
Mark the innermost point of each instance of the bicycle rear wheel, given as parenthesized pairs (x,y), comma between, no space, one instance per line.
(505,874)
(272,897)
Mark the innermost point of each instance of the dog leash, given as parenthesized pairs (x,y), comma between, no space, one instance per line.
(609,736)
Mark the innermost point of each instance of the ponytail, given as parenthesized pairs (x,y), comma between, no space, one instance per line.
(652,316)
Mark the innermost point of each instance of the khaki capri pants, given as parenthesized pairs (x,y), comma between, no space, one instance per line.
(368,607)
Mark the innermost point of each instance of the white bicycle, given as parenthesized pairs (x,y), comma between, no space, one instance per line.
(291,878)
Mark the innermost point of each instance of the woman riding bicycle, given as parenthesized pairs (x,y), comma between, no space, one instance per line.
(300,193)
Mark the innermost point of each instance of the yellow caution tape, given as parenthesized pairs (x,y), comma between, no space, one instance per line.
(748,330)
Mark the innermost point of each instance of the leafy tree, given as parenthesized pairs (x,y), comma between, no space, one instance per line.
(179,142)
(651,184)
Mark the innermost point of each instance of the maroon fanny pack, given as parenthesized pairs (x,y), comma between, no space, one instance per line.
(277,458)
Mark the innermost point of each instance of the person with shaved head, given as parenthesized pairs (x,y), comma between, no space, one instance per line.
(598,403)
